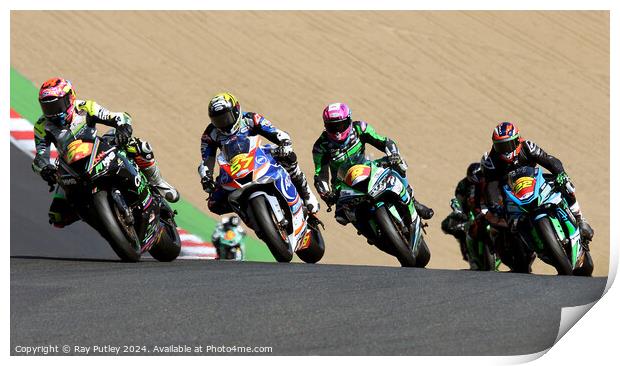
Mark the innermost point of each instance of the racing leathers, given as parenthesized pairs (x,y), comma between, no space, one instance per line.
(329,155)
(86,115)
(252,124)
(467,222)
(466,203)
(496,170)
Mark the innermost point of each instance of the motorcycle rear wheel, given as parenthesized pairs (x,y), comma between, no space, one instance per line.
(267,230)
(168,247)
(124,247)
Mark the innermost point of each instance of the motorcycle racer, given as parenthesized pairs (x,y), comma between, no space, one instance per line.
(227,223)
(228,120)
(466,202)
(342,139)
(64,119)
(510,151)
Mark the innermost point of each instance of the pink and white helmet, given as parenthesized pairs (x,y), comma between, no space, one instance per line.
(337,121)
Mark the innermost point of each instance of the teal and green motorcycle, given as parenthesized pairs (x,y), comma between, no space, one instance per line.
(378,200)
(544,223)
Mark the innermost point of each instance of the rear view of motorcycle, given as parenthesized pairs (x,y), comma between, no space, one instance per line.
(109,193)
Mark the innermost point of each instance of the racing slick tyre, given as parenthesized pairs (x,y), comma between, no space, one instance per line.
(314,252)
(168,247)
(554,248)
(488,259)
(124,246)
(586,268)
(267,230)
(424,254)
(393,238)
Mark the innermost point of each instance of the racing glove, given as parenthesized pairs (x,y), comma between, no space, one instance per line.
(394,159)
(563,181)
(284,149)
(208,184)
(48,173)
(123,134)
(330,198)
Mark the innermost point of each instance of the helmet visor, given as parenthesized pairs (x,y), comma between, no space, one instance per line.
(224,121)
(506,146)
(338,126)
(52,107)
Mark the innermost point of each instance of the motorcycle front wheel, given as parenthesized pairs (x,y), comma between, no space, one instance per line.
(393,238)
(267,230)
(128,250)
(554,248)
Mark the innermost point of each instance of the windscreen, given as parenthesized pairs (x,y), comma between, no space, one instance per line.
(235,146)
(349,162)
(515,175)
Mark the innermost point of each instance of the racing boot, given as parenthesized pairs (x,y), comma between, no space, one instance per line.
(153,175)
(143,155)
(425,212)
(584,228)
(299,180)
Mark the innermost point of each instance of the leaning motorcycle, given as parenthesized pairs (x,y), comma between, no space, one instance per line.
(544,223)
(262,194)
(108,192)
(229,244)
(377,199)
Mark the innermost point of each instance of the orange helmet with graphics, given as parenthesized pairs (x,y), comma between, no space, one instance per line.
(225,113)
(507,141)
(57,99)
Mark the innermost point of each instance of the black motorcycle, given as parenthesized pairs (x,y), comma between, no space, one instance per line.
(108,192)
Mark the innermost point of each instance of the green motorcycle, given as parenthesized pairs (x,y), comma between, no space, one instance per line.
(377,199)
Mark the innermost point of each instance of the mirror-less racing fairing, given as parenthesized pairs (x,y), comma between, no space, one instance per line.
(263,195)
(108,192)
(378,201)
(545,223)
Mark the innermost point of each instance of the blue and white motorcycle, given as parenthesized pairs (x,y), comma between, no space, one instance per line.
(544,223)
(263,195)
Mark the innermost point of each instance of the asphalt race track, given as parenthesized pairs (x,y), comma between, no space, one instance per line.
(68,289)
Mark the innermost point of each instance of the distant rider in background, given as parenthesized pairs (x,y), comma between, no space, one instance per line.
(227,223)
(228,120)
(64,120)
(465,204)
(343,139)
(509,152)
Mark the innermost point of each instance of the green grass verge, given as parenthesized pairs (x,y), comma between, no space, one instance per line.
(23,101)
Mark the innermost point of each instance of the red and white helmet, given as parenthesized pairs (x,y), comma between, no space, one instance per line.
(57,99)
(337,121)
(507,141)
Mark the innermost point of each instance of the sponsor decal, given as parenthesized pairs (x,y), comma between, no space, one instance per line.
(78,150)
(356,174)
(240,162)
(105,163)
(230,235)
(305,241)
(524,187)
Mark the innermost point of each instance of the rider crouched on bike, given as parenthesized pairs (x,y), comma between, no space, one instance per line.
(63,118)
(227,223)
(466,219)
(228,120)
(509,152)
(342,139)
